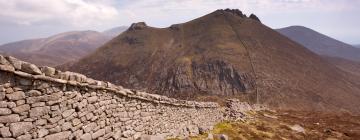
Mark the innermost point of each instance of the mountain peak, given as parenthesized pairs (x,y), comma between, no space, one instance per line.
(232,11)
(138,26)
(236,12)
(254,17)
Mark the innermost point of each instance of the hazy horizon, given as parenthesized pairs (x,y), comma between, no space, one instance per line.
(26,19)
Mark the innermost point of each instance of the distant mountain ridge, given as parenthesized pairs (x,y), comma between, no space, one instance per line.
(115,31)
(60,48)
(320,43)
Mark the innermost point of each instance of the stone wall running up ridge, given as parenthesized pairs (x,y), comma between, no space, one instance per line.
(44,103)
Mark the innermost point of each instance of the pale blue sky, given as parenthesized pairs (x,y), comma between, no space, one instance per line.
(25,19)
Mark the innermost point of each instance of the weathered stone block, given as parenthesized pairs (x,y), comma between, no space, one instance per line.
(9,90)
(5,132)
(15,62)
(16,96)
(9,118)
(54,119)
(89,116)
(3,104)
(32,93)
(30,68)
(39,111)
(3,61)
(92,99)
(98,133)
(66,126)
(87,128)
(20,128)
(5,111)
(20,102)
(76,121)
(59,136)
(42,132)
(121,115)
(56,129)
(48,71)
(24,137)
(67,113)
(2,96)
(22,108)
(41,122)
(128,133)
(38,104)
(86,136)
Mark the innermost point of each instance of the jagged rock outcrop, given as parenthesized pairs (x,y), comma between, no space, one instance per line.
(137,26)
(254,17)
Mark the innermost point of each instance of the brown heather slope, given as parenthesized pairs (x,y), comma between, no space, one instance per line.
(57,49)
(223,53)
(351,68)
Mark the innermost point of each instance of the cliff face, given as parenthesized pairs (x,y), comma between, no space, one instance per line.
(223,53)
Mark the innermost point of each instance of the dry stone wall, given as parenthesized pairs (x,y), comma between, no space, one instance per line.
(44,103)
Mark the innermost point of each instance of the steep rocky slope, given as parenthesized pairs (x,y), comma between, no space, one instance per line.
(320,43)
(57,49)
(224,54)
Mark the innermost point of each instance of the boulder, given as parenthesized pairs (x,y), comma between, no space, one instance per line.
(48,71)
(7,68)
(3,61)
(14,62)
(30,68)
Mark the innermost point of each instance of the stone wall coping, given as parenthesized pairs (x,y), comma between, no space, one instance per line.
(31,71)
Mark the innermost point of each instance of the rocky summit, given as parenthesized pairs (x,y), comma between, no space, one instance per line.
(222,54)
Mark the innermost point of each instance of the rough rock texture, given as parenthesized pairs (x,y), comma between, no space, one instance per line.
(72,108)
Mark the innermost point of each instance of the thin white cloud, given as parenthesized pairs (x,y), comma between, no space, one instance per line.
(74,12)
(47,15)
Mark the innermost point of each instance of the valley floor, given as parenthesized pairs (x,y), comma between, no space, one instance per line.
(289,125)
